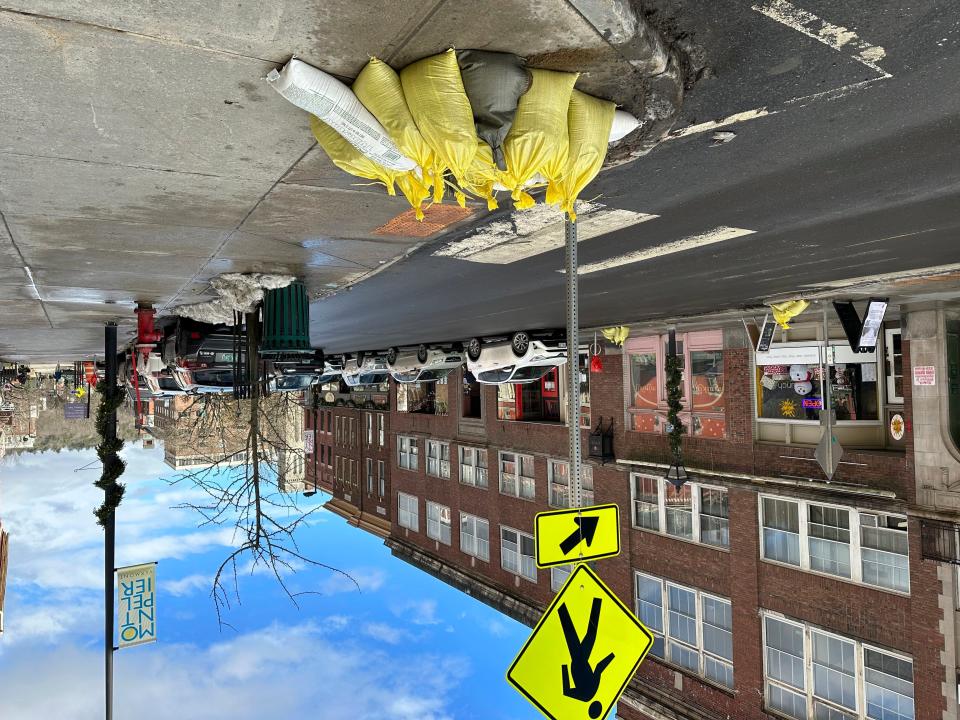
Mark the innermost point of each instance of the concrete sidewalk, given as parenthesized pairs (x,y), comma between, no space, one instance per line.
(143,154)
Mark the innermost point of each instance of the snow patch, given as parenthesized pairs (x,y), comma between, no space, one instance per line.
(238,293)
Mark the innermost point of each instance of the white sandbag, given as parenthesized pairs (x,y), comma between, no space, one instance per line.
(623,124)
(333,102)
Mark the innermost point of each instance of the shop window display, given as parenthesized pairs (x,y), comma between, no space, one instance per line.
(795,392)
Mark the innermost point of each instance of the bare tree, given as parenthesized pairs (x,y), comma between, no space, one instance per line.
(245,455)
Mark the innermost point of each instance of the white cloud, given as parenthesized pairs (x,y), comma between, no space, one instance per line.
(55,540)
(369,579)
(187,585)
(419,612)
(384,632)
(262,674)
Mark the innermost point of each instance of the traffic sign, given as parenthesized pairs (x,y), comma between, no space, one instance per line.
(577,534)
(582,653)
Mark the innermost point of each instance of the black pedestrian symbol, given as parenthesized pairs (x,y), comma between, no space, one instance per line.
(586,679)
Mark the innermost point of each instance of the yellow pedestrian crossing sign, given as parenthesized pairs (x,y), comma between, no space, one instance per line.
(582,653)
(577,534)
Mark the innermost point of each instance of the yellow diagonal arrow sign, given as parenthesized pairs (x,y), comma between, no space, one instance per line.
(577,534)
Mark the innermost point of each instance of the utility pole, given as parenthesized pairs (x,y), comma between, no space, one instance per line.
(573,363)
(110,526)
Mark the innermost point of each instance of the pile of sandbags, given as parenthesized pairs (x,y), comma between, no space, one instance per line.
(475,122)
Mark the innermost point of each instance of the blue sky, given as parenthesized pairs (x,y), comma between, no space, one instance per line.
(406,647)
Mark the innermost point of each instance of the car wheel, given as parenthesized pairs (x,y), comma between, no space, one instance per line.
(473,349)
(422,353)
(520,343)
(392,356)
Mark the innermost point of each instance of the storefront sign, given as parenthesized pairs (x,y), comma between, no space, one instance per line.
(925,375)
(813,403)
(790,355)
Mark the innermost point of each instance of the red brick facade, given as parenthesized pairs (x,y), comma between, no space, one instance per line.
(902,623)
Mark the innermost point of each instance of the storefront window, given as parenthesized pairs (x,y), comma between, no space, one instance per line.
(707,380)
(643,380)
(795,392)
(429,398)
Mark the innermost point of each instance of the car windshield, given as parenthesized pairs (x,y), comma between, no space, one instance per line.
(495,376)
(433,375)
(532,372)
(407,377)
(167,383)
(295,382)
(374,378)
(217,379)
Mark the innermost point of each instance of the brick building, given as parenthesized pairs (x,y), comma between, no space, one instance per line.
(349,454)
(771,591)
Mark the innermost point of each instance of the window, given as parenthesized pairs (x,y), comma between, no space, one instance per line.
(699,513)
(894,368)
(516,475)
(438,522)
(408,516)
(369,418)
(558,472)
(438,458)
(370,476)
(407,448)
(473,466)
(679,504)
(866,547)
(475,536)
(829,685)
(338,424)
(691,629)
(714,517)
(353,431)
(646,502)
(643,380)
(828,530)
(558,576)
(781,531)
(517,552)
(381,435)
(884,551)
(382,478)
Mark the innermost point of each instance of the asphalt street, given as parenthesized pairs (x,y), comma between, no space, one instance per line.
(846,166)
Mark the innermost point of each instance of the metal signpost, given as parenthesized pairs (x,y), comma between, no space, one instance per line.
(110,525)
(573,363)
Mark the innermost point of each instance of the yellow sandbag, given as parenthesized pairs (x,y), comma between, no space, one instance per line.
(784,312)
(378,88)
(538,137)
(483,173)
(589,121)
(346,157)
(436,99)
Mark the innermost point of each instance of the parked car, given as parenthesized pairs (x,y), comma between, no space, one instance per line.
(301,373)
(361,370)
(422,364)
(193,344)
(521,358)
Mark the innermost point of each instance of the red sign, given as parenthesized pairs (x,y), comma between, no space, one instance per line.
(813,403)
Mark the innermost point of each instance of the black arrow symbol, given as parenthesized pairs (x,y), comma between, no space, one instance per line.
(586,529)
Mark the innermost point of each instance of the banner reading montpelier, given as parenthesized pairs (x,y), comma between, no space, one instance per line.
(137,604)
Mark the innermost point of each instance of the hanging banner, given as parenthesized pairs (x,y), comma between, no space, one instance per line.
(136,604)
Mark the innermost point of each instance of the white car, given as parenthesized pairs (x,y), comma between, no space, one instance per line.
(423,364)
(361,371)
(522,358)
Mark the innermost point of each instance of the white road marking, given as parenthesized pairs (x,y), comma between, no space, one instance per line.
(527,233)
(724,122)
(837,37)
(711,237)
